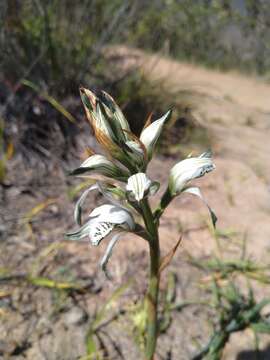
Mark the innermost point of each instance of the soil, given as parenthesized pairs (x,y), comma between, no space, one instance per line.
(37,322)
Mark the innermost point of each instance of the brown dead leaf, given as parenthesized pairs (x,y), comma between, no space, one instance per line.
(164,262)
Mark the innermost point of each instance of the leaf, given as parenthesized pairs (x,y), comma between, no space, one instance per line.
(261,327)
(164,262)
(74,190)
(50,100)
(52,284)
(10,151)
(91,346)
(99,317)
(49,251)
(37,209)
(148,120)
(171,288)
(109,303)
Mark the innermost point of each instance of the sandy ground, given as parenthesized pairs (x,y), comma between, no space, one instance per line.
(236,111)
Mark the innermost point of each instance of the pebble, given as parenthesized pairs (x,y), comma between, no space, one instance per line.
(75,316)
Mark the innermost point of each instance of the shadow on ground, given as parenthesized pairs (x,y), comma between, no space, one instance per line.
(254,355)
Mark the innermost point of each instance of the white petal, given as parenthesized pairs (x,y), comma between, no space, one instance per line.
(78,206)
(138,185)
(96,159)
(196,191)
(101,210)
(188,169)
(150,135)
(101,165)
(81,232)
(114,214)
(108,253)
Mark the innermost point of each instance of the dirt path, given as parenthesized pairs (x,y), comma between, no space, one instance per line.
(236,111)
(250,92)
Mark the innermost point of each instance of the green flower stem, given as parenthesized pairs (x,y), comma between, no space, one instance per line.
(153,288)
(165,201)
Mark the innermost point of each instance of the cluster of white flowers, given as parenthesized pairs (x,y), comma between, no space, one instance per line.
(126,163)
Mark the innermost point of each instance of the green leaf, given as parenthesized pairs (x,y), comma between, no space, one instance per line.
(102,313)
(261,327)
(50,100)
(91,346)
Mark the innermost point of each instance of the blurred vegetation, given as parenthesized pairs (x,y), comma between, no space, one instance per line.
(224,34)
(58,45)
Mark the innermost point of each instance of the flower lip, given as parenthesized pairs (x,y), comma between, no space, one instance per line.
(99,231)
(107,217)
(102,221)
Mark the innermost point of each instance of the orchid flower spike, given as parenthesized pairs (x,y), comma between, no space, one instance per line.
(139,186)
(99,164)
(189,169)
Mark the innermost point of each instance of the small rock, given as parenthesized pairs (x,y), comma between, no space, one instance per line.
(75,316)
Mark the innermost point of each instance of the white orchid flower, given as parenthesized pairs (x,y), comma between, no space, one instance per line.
(139,186)
(103,220)
(110,192)
(151,133)
(103,166)
(188,169)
